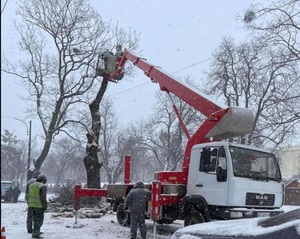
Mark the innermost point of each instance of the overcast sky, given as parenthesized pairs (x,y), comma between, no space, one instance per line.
(175,35)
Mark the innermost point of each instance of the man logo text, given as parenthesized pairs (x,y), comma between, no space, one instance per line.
(261,197)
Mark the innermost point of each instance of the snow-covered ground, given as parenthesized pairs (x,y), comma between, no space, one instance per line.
(13,218)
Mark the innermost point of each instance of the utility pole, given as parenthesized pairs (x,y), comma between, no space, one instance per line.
(29,145)
(29,151)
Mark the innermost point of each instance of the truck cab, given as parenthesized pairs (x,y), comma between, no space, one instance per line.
(234,179)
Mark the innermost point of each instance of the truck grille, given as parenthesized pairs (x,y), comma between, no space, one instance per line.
(260,199)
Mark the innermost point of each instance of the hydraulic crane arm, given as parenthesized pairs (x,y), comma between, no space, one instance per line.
(169,84)
(221,123)
(239,121)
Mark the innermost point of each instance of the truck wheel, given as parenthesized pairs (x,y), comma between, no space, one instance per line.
(117,202)
(123,217)
(193,217)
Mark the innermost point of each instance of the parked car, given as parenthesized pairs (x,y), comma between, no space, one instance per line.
(4,186)
(282,226)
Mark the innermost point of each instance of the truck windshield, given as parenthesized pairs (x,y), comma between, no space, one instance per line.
(254,164)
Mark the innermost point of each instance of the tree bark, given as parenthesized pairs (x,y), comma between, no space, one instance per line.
(91,162)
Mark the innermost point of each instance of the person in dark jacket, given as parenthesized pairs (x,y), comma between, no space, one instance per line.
(37,201)
(136,202)
(16,194)
(35,174)
(10,194)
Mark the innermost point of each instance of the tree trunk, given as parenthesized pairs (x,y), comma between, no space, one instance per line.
(91,162)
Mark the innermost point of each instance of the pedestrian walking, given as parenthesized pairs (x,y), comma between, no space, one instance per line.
(35,174)
(136,201)
(37,201)
(16,193)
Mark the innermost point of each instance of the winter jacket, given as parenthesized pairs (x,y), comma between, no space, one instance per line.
(9,194)
(35,174)
(37,195)
(17,193)
(137,198)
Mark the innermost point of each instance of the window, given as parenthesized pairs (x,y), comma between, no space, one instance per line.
(208,159)
(254,164)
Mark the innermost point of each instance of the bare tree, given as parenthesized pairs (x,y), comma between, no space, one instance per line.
(252,75)
(62,41)
(65,162)
(115,144)
(108,141)
(13,157)
(141,166)
(162,134)
(278,23)
(133,143)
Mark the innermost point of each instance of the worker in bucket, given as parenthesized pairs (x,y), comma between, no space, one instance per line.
(119,51)
(136,202)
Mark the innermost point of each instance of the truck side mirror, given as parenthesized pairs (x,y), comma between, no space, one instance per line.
(221,174)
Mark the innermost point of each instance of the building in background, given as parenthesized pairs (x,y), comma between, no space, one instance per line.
(290,170)
(290,162)
(292,192)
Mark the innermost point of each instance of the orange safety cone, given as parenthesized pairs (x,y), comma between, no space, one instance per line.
(3,233)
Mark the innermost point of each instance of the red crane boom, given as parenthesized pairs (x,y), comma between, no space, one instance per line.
(221,122)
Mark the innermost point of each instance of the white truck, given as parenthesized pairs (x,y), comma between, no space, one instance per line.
(219,179)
